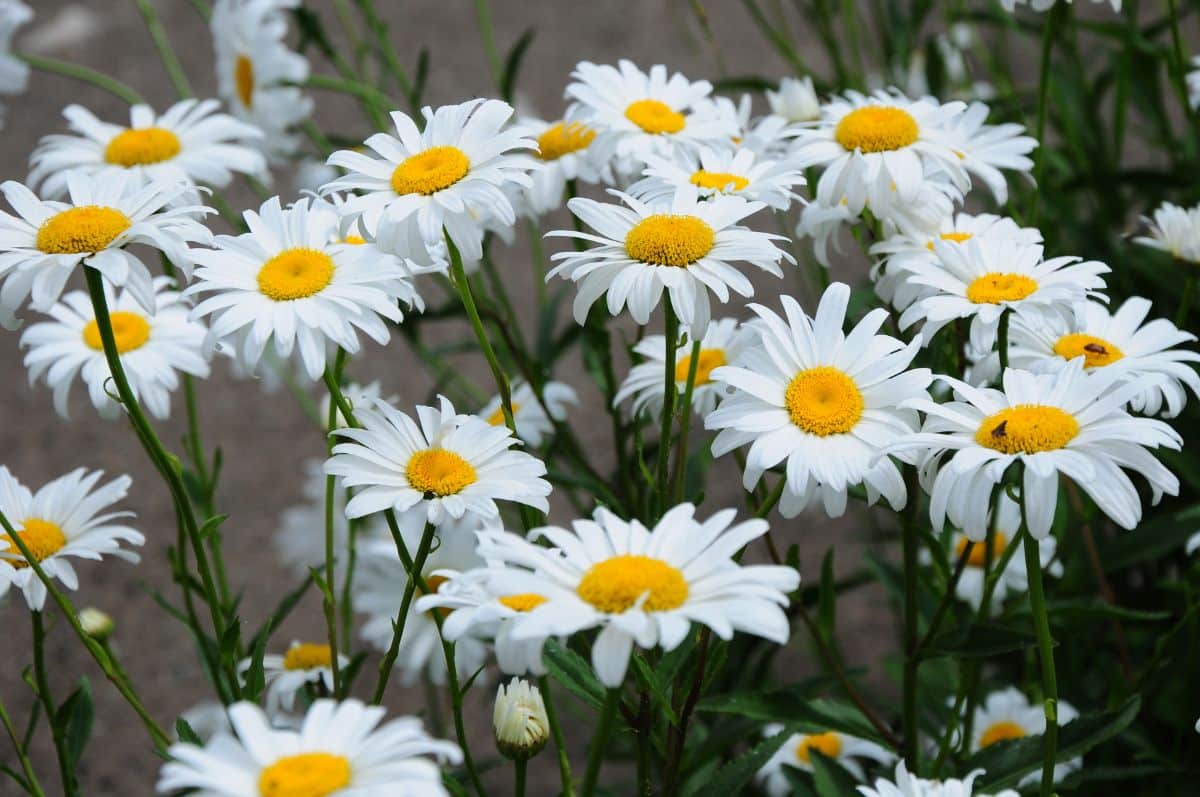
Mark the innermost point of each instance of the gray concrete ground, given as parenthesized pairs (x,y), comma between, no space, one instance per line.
(266,438)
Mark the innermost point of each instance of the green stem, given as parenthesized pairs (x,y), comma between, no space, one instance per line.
(1041,623)
(165,51)
(414,574)
(560,745)
(911,661)
(484,13)
(87,75)
(1002,342)
(1185,304)
(519,777)
(671,339)
(685,420)
(66,772)
(772,498)
(31,781)
(538,255)
(608,713)
(1052,22)
(387,55)
(944,605)
(456,708)
(329,601)
(1180,64)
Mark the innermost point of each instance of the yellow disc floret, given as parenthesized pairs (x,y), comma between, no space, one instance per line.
(996,288)
(130,331)
(615,585)
(81,230)
(876,128)
(667,239)
(41,537)
(523,601)
(709,359)
(305,775)
(295,274)
(823,401)
(1096,352)
(978,555)
(1027,429)
(307,656)
(827,744)
(243,80)
(719,181)
(440,472)
(562,138)
(1001,731)
(654,116)
(430,171)
(142,147)
(956,237)
(497,416)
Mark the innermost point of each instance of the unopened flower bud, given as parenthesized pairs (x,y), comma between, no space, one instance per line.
(520,720)
(796,100)
(96,624)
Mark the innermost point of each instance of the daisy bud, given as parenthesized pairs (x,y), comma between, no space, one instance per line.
(520,720)
(96,624)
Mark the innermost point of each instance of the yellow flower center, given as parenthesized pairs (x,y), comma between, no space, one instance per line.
(996,287)
(430,171)
(523,601)
(562,139)
(497,416)
(654,116)
(243,80)
(41,537)
(978,555)
(437,471)
(1096,352)
(1027,429)
(1001,731)
(957,237)
(666,239)
(130,330)
(307,656)
(709,359)
(824,401)
(719,181)
(354,240)
(876,128)
(142,147)
(827,744)
(305,775)
(616,584)
(88,228)
(295,274)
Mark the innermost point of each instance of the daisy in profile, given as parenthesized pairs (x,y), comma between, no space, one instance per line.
(304,664)
(339,749)
(821,402)
(796,100)
(723,343)
(1144,353)
(257,73)
(680,244)
(1008,714)
(986,149)
(43,244)
(1070,423)
(450,465)
(65,519)
(448,179)
(911,250)
(737,172)
(154,348)
(190,143)
(14,73)
(640,114)
(534,416)
(905,784)
(379,583)
(1175,230)
(797,753)
(872,146)
(565,152)
(982,279)
(643,585)
(284,283)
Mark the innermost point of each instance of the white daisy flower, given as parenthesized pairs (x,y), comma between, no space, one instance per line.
(256,71)
(1175,230)
(356,395)
(519,720)
(207,719)
(304,664)
(986,149)
(796,100)
(723,343)
(153,348)
(641,585)
(768,136)
(982,278)
(824,224)
(737,172)
(445,180)
(861,137)
(534,417)
(1071,423)
(682,244)
(912,250)
(797,751)
(65,518)
(14,73)
(565,152)
(284,283)
(341,749)
(905,784)
(822,401)
(1193,83)
(190,143)
(43,244)
(379,584)
(1045,5)
(451,465)
(1008,714)
(640,114)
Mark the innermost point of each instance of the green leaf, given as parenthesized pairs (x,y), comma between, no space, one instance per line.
(650,680)
(739,83)
(512,64)
(795,704)
(1162,536)
(74,721)
(731,778)
(1005,763)
(573,672)
(282,610)
(827,600)
(981,641)
(185,733)
(1072,612)
(829,777)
